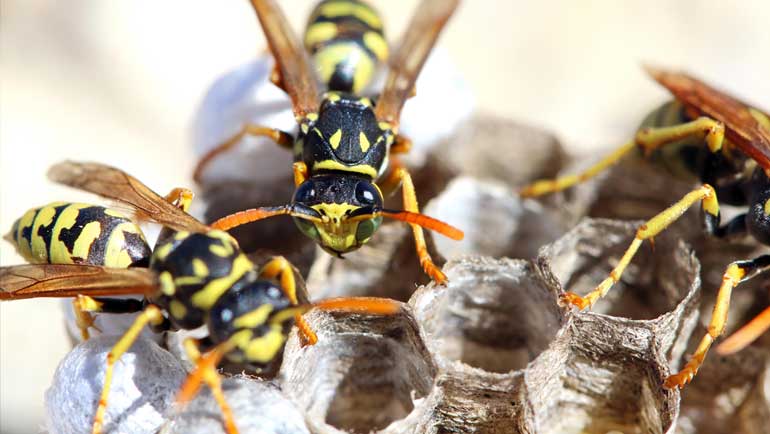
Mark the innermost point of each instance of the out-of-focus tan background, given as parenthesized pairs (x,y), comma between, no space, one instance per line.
(117,81)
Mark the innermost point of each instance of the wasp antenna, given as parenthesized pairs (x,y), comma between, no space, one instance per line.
(370,305)
(426,222)
(250,215)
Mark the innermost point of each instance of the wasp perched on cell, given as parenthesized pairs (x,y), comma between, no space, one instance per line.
(195,276)
(725,144)
(345,149)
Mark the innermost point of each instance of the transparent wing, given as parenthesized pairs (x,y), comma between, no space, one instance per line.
(410,56)
(700,99)
(297,77)
(115,184)
(47,280)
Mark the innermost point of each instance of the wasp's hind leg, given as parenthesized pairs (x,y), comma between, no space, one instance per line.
(650,229)
(736,273)
(85,306)
(281,138)
(547,186)
(151,315)
(281,269)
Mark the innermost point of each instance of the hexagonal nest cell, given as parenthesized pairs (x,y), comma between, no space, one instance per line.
(493,351)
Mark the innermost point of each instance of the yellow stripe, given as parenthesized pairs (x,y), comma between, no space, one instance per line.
(44,219)
(335,139)
(319,32)
(767,207)
(167,283)
(264,348)
(199,267)
(363,141)
(177,309)
(343,8)
(255,318)
(334,165)
(24,246)
(209,294)
(376,44)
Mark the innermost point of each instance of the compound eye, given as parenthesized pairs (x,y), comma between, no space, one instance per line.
(367,194)
(367,228)
(305,193)
(307,228)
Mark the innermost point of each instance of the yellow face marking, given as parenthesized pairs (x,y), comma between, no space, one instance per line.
(335,139)
(362,12)
(336,232)
(335,165)
(319,32)
(255,318)
(209,294)
(264,348)
(177,309)
(363,141)
(200,268)
(376,43)
(167,286)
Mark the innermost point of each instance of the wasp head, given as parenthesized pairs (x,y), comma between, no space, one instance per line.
(338,211)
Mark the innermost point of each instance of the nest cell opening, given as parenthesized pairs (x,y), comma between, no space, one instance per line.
(494,315)
(363,374)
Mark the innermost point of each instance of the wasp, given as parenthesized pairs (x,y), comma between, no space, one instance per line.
(346,146)
(194,276)
(725,144)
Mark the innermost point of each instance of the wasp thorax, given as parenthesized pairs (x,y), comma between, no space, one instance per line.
(194,271)
(255,318)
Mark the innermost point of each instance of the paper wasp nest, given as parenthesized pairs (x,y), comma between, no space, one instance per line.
(493,351)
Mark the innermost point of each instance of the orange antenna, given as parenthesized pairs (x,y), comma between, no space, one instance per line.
(251,215)
(746,334)
(370,305)
(426,222)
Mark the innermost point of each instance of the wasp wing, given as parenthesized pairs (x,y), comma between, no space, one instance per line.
(47,280)
(409,58)
(741,127)
(297,77)
(115,184)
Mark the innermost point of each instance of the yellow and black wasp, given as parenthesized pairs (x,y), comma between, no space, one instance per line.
(734,165)
(346,143)
(195,276)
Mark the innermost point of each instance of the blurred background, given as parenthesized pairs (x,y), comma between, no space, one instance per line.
(119,81)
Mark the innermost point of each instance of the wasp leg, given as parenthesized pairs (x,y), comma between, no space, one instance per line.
(402,145)
(151,314)
(300,173)
(85,305)
(648,230)
(746,334)
(399,175)
(281,138)
(206,372)
(546,186)
(281,268)
(181,198)
(650,139)
(736,273)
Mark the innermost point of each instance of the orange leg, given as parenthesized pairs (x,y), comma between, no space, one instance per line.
(399,175)
(746,334)
(206,372)
(280,267)
(300,173)
(402,145)
(181,198)
(281,138)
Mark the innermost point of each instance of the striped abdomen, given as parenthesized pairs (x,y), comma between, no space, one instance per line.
(79,233)
(345,38)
